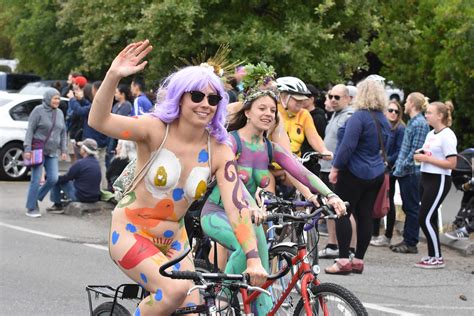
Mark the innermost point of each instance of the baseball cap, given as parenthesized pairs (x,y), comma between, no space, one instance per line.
(89,145)
(81,81)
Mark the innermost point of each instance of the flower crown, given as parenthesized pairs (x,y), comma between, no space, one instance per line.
(257,76)
(259,93)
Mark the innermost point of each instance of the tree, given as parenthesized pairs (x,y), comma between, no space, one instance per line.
(431,52)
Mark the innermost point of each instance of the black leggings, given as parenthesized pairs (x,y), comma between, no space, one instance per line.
(361,195)
(433,190)
(390,214)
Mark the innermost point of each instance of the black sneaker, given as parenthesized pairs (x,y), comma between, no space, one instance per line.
(55,209)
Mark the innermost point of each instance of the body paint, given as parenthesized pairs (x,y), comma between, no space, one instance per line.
(125,134)
(127,200)
(230,174)
(150,217)
(141,250)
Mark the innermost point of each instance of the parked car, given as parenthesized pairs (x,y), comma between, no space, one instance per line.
(12,82)
(39,87)
(15,110)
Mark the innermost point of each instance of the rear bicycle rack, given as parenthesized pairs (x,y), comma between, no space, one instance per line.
(129,291)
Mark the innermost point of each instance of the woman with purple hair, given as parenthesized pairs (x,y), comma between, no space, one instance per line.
(179,147)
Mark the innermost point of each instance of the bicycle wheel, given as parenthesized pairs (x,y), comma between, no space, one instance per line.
(104,309)
(331,299)
(277,262)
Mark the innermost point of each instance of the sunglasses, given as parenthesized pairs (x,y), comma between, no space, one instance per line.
(198,96)
(393,110)
(336,97)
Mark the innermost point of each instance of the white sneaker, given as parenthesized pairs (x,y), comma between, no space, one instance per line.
(380,241)
(328,253)
(33,213)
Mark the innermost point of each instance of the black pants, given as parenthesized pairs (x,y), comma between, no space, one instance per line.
(433,189)
(361,195)
(390,215)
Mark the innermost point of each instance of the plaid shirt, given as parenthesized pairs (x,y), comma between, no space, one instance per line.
(415,135)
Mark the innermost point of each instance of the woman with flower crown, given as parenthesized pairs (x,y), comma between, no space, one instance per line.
(248,127)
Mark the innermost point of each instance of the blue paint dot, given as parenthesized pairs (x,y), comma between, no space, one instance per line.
(191,304)
(131,228)
(115,237)
(143,277)
(203,156)
(159,295)
(168,234)
(137,312)
(176,245)
(177,266)
(178,194)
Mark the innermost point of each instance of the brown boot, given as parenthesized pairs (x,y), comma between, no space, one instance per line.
(342,266)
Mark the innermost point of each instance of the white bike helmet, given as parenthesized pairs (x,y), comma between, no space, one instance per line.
(292,85)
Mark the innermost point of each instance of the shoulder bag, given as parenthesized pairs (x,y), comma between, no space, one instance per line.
(382,201)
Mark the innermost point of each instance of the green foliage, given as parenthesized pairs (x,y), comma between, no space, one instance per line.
(424,45)
(431,52)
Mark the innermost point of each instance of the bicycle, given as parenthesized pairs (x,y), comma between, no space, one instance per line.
(325,298)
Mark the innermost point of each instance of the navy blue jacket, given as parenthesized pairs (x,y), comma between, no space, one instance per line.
(85,174)
(358,145)
(88,132)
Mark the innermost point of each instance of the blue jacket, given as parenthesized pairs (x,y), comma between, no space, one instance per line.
(85,174)
(358,145)
(88,132)
(394,149)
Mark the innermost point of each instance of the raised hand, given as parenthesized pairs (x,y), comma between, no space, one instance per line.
(129,60)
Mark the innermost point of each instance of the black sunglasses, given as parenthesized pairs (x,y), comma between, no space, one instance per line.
(198,96)
(393,110)
(336,97)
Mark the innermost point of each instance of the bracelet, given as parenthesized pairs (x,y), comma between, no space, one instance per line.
(331,195)
(312,196)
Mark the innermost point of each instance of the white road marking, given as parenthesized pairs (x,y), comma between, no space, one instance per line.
(367,305)
(53,236)
(388,309)
(36,232)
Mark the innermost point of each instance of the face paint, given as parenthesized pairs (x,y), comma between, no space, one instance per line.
(141,250)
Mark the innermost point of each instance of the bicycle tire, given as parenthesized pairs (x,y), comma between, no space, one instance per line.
(337,299)
(312,240)
(276,263)
(104,309)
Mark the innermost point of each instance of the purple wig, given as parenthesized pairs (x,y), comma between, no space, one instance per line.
(190,79)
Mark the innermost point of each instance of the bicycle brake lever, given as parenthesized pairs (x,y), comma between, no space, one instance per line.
(274,227)
(259,289)
(196,287)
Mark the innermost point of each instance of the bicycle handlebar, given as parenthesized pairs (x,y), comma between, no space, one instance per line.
(199,276)
(307,156)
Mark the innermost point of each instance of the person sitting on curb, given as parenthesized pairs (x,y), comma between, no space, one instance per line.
(82,181)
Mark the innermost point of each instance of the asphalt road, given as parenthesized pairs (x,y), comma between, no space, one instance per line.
(46,264)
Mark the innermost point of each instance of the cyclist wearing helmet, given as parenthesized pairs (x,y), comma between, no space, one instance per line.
(298,122)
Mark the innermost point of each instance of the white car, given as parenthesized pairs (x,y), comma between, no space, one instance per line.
(14,112)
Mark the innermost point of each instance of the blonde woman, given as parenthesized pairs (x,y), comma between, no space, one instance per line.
(408,173)
(394,115)
(438,158)
(358,172)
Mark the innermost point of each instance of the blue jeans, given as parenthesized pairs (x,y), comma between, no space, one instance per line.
(410,193)
(37,192)
(68,189)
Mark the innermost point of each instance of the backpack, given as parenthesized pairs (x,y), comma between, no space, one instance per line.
(239,146)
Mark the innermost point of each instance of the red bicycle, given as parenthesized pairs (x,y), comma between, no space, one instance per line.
(316,298)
